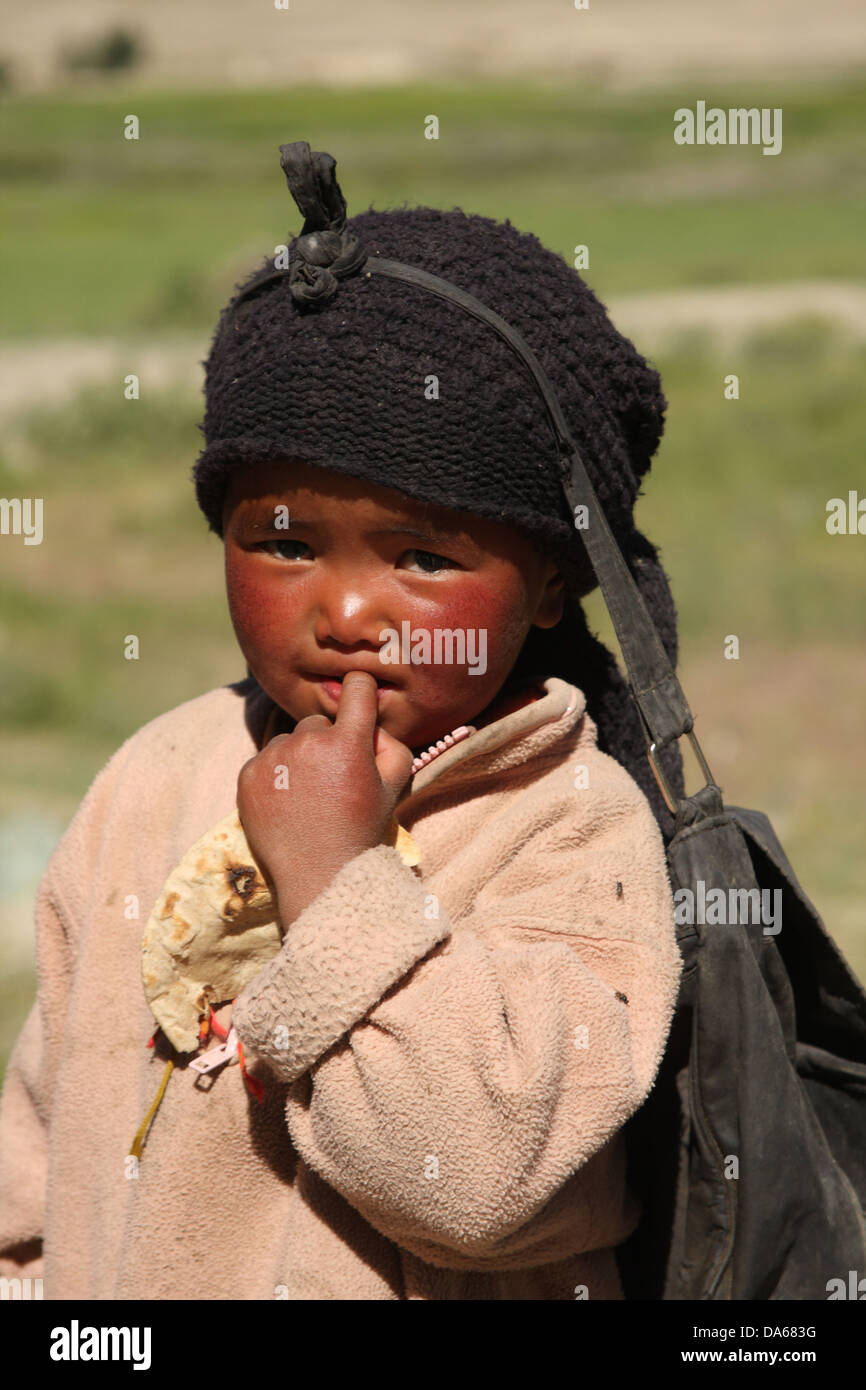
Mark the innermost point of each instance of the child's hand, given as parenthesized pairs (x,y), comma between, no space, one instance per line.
(343,778)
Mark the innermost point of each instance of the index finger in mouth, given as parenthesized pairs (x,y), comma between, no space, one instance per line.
(358,707)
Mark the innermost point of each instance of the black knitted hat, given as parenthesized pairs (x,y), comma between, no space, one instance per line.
(378,379)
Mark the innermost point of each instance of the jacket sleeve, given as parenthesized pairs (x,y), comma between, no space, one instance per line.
(459,1081)
(29,1085)
(25,1104)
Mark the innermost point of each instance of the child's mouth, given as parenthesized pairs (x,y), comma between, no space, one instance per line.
(332,687)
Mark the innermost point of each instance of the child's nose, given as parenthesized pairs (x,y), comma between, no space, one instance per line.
(348,614)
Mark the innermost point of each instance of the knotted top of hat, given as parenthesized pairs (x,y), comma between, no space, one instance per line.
(326,251)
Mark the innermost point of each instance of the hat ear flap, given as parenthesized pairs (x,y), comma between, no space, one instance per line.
(639,407)
(569,650)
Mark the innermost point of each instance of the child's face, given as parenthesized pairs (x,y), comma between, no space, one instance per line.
(357,562)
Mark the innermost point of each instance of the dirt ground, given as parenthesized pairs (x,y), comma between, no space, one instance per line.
(624,43)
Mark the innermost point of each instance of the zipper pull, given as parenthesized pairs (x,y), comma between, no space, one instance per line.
(218,1056)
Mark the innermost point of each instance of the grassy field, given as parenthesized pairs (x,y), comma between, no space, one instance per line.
(100,236)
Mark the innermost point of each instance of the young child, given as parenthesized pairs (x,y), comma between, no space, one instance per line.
(476,966)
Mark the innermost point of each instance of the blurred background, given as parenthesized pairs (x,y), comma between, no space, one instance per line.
(116,256)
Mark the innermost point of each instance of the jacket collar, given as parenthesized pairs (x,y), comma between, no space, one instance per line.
(507,741)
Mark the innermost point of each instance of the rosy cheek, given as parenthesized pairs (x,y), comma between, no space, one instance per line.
(497,609)
(473,603)
(260,610)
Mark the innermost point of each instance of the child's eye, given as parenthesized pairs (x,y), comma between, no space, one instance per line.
(428,561)
(292,546)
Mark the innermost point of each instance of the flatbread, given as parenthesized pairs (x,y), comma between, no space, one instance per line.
(214,927)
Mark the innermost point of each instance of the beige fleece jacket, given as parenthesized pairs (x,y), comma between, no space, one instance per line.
(465,1038)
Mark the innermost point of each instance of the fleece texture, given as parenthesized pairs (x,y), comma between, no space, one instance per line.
(449,1052)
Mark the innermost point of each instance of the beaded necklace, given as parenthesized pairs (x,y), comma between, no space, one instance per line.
(447,741)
